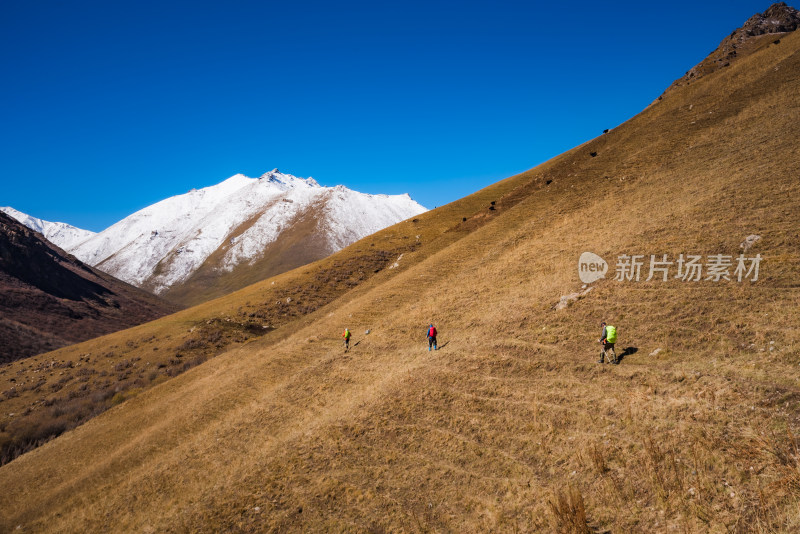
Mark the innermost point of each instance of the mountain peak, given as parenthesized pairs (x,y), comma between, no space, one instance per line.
(779,18)
(267,175)
(277,177)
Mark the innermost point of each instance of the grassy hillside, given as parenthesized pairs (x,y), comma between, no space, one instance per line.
(511,425)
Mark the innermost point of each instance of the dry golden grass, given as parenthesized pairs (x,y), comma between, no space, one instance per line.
(510,426)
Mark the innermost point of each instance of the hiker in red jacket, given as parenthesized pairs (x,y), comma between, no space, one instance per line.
(432,338)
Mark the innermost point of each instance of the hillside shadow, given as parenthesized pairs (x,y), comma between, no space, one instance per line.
(35,262)
(627,352)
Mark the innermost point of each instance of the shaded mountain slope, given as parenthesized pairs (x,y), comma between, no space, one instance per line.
(511,426)
(49,299)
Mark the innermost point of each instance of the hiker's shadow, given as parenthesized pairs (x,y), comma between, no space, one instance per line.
(627,352)
(443,345)
(356,343)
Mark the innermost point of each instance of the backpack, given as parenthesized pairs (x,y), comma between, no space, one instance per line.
(346,334)
(611,333)
(432,332)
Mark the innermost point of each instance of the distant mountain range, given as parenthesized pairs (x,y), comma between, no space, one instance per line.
(60,234)
(214,240)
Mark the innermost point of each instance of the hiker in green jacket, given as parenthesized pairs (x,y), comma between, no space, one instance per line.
(607,341)
(346,335)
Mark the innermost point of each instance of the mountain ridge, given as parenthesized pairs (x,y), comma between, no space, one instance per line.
(757,31)
(231,224)
(62,235)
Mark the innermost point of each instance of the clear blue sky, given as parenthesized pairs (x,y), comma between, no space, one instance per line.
(110,106)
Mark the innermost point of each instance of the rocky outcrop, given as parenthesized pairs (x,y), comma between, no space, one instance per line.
(779,18)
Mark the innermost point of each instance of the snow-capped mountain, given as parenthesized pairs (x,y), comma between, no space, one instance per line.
(238,222)
(60,234)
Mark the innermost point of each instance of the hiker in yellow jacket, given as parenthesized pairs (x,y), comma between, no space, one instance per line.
(346,336)
(607,340)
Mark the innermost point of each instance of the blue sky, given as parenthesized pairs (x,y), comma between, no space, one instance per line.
(108,107)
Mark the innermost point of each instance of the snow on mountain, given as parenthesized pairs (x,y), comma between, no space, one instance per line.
(232,223)
(60,234)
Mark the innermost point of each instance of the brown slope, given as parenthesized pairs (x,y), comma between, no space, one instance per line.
(288,434)
(49,299)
